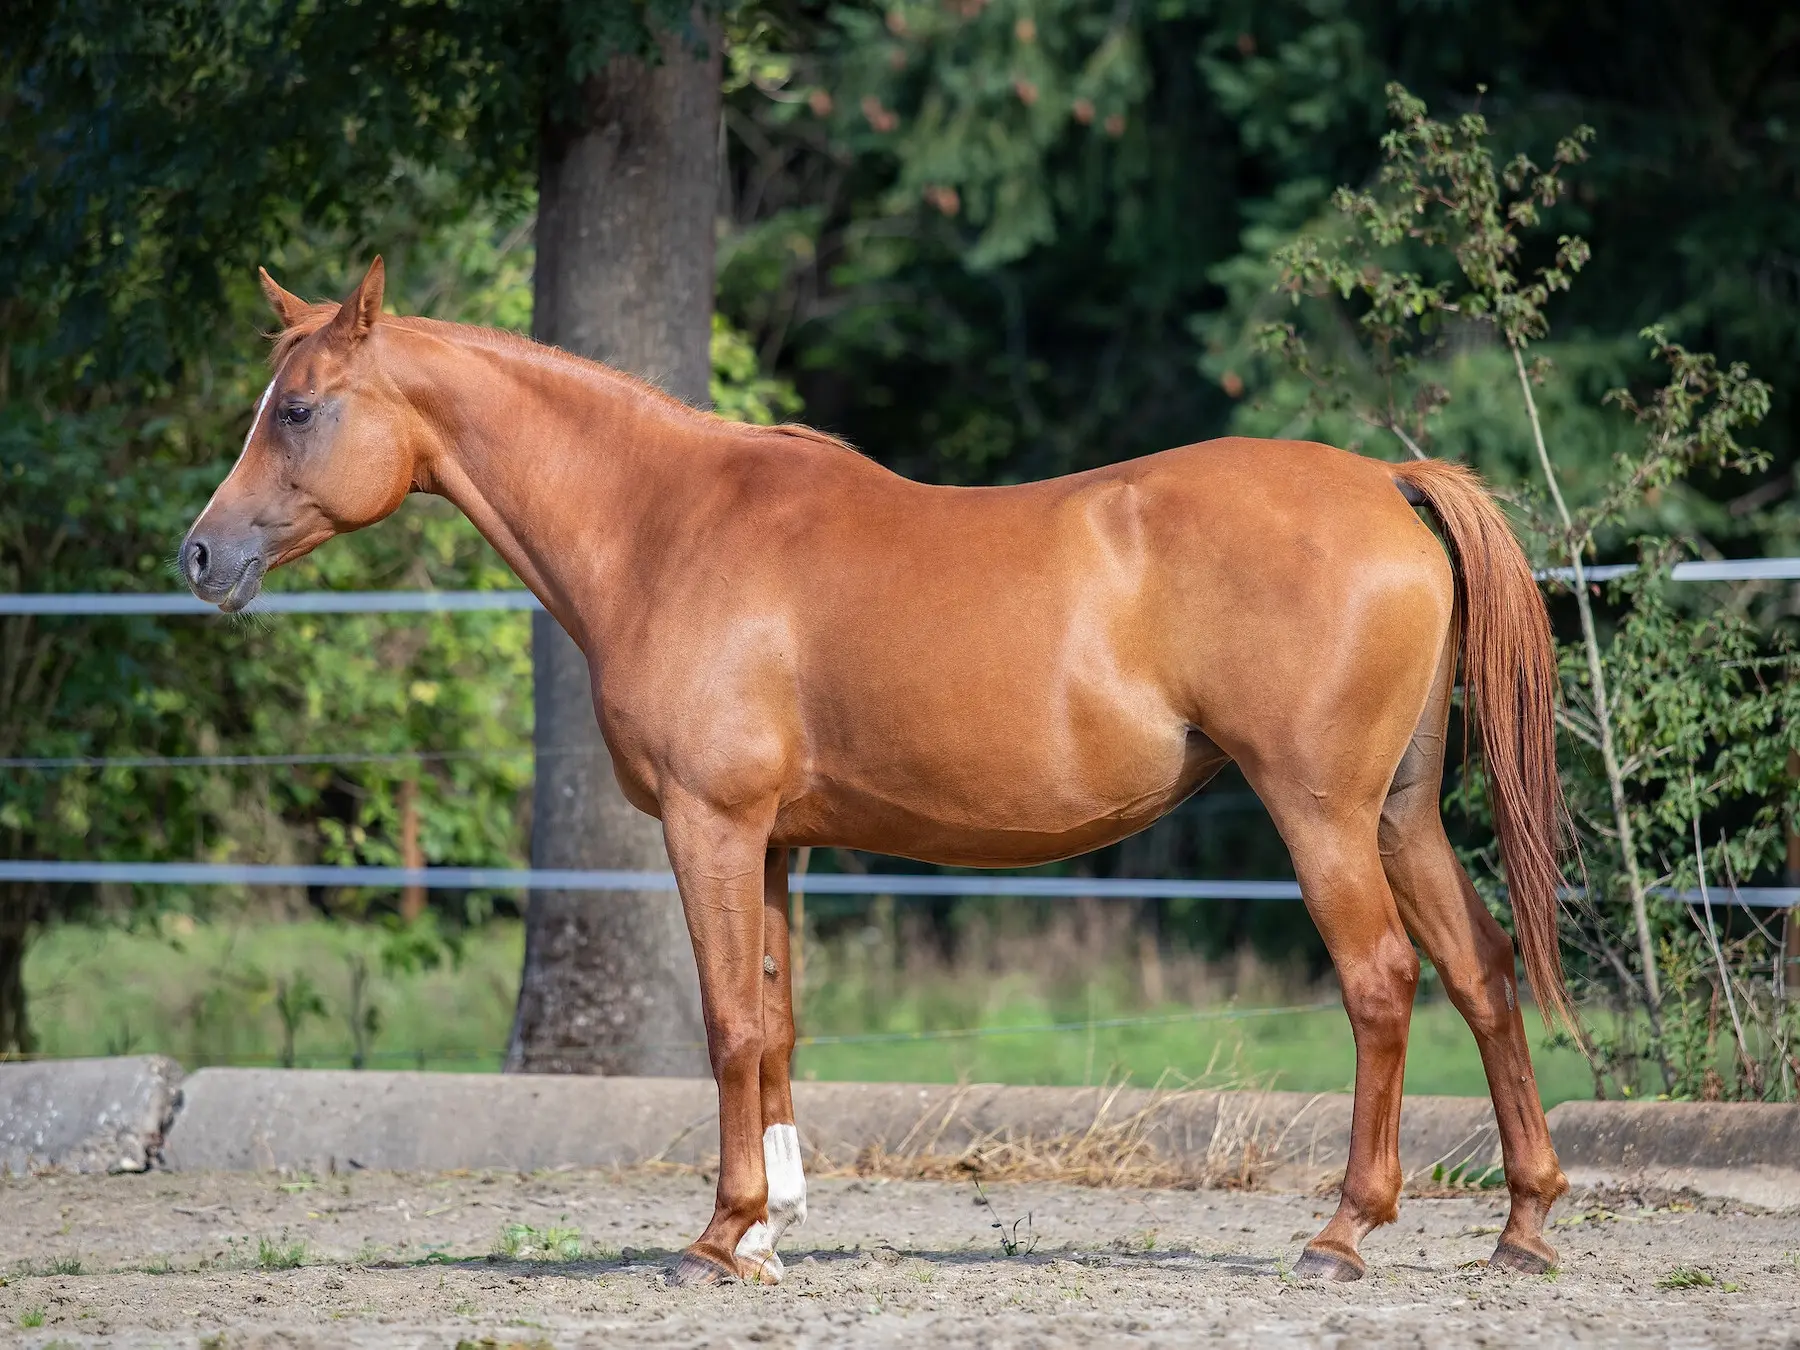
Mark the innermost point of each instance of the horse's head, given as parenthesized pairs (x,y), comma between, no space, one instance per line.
(333,447)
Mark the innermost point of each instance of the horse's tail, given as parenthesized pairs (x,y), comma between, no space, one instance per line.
(1509,668)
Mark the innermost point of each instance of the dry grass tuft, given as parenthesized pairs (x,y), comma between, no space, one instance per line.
(1121,1151)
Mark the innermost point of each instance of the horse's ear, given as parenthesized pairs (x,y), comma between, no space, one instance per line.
(357,315)
(288,307)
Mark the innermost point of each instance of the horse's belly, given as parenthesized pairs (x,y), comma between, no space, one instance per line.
(1005,805)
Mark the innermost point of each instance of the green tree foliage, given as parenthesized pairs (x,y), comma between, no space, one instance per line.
(930,195)
(988,240)
(151,156)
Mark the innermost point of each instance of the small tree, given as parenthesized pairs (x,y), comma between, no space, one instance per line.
(297,1001)
(1667,718)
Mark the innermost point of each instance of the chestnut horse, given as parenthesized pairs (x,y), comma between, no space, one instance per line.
(791,645)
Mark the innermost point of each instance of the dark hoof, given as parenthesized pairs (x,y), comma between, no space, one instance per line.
(694,1271)
(1521,1260)
(1315,1264)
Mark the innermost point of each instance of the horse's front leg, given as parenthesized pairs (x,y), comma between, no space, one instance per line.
(718,856)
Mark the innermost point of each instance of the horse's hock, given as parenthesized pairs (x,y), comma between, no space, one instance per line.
(130,1114)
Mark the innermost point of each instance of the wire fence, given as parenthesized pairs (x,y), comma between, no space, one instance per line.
(568,879)
(93,604)
(896,884)
(467,878)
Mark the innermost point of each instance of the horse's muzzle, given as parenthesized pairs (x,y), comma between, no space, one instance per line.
(223,572)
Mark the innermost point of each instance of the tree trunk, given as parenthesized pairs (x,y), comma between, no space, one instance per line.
(15,923)
(625,275)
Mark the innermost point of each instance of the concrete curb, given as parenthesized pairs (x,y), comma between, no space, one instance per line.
(130,1114)
(86,1115)
(326,1120)
(1739,1150)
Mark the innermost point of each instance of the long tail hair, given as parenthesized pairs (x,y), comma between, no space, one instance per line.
(1509,668)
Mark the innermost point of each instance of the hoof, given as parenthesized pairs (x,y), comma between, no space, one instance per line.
(760,1267)
(1521,1260)
(694,1271)
(1315,1264)
(757,1262)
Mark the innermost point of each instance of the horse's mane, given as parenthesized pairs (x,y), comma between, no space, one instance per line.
(318,315)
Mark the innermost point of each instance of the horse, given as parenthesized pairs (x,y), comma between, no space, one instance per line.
(791,646)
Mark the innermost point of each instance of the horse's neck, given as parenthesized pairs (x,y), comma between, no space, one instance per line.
(558,463)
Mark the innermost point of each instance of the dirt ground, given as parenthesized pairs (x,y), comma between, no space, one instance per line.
(402,1261)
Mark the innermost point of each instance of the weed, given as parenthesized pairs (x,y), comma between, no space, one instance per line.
(1687,1277)
(1010,1242)
(282,1254)
(1586,1216)
(522,1242)
(32,1316)
(1464,1177)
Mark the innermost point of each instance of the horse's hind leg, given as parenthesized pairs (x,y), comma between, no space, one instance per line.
(1474,957)
(1333,843)
(781,1138)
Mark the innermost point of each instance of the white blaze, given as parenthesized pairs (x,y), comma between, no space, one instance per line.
(787,1201)
(249,435)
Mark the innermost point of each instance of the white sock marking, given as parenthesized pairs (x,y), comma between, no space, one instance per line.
(787,1200)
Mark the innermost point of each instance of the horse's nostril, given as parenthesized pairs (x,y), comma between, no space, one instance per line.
(197,559)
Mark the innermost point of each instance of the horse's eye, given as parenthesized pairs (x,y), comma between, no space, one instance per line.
(295,414)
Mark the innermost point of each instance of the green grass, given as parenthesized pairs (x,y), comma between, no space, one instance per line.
(1305,1052)
(280,1254)
(522,1242)
(32,1316)
(1692,1277)
(207,997)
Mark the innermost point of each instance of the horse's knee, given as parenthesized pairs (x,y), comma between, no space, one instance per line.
(735,1047)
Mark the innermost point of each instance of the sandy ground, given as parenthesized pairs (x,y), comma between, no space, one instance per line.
(403,1261)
